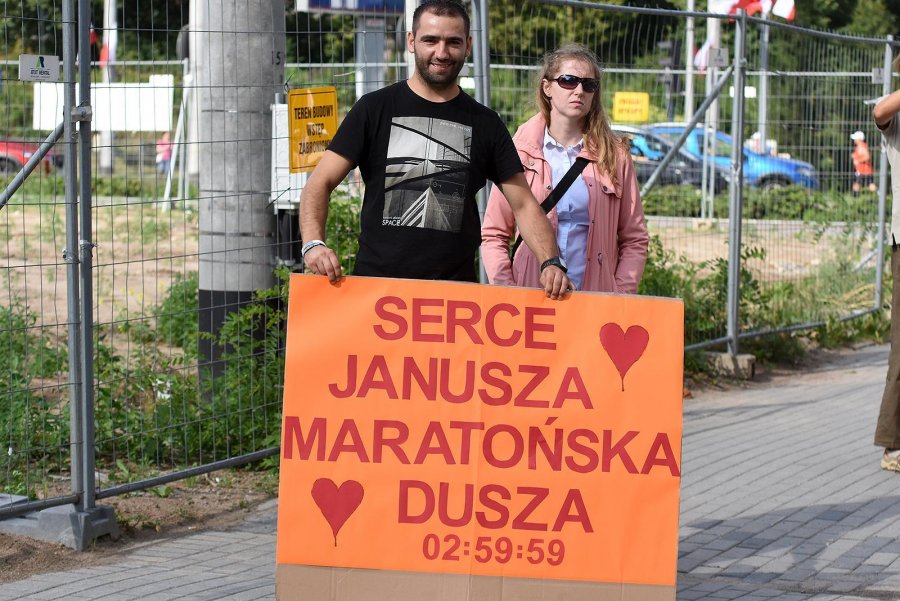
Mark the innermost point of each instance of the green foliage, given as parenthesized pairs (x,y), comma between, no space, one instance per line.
(26,348)
(342,228)
(823,295)
(142,406)
(35,425)
(789,202)
(177,315)
(242,411)
(40,188)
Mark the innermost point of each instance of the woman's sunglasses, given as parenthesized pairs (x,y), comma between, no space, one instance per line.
(570,82)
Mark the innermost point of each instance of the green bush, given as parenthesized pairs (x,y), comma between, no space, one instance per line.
(342,229)
(788,203)
(177,323)
(33,419)
(243,408)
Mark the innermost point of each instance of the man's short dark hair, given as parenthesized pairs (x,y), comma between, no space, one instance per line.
(441,8)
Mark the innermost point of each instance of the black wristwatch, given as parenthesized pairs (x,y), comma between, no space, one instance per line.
(556,262)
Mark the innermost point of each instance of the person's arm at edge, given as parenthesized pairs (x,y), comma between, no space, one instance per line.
(536,232)
(885,110)
(496,231)
(632,231)
(330,171)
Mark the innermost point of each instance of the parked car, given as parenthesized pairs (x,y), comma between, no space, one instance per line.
(760,170)
(648,149)
(14,154)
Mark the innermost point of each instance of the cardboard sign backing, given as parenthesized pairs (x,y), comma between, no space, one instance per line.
(474,442)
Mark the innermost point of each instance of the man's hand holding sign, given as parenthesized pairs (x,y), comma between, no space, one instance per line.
(439,432)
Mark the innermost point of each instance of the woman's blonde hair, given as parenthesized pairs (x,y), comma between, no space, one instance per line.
(598,137)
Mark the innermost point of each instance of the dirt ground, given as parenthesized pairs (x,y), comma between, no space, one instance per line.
(216,500)
(138,249)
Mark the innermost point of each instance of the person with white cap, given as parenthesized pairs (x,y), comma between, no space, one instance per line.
(862,163)
(887,430)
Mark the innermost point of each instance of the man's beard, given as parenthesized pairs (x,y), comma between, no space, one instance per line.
(438,81)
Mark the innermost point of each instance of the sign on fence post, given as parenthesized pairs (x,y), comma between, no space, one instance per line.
(38,67)
(631,107)
(312,114)
(462,442)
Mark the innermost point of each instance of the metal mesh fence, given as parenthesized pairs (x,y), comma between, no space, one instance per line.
(34,386)
(186,349)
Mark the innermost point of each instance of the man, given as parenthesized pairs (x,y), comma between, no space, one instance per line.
(424,148)
(887,431)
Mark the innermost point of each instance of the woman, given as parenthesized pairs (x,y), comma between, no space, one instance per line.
(599,220)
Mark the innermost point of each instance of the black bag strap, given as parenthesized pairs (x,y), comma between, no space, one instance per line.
(557,193)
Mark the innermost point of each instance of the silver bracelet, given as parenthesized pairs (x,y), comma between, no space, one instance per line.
(310,245)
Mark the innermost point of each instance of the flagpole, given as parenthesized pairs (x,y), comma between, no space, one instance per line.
(689,65)
(763,92)
(711,123)
(110,43)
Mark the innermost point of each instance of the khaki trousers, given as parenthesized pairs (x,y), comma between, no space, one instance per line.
(887,431)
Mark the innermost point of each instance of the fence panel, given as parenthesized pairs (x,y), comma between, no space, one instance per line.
(812,250)
(35,389)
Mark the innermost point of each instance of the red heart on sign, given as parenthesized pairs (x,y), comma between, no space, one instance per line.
(337,503)
(624,348)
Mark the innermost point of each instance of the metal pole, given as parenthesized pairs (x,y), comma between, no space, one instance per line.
(86,258)
(763,92)
(485,53)
(176,151)
(882,181)
(32,164)
(689,64)
(481,62)
(410,59)
(69,253)
(736,189)
(183,192)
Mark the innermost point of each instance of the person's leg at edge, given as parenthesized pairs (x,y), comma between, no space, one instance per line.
(887,430)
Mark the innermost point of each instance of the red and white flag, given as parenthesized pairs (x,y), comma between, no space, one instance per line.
(701,58)
(109,51)
(779,8)
(720,7)
(784,9)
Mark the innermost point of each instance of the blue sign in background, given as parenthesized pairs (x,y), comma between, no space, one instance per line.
(356,6)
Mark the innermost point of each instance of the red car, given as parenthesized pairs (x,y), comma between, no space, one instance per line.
(14,154)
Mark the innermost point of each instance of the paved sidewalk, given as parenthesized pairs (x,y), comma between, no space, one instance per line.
(782,498)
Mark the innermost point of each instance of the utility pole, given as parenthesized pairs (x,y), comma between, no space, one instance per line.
(238,69)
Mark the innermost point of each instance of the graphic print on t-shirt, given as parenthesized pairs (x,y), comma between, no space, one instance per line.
(426,173)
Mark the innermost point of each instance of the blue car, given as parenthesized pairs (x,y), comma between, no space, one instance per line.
(760,170)
(648,149)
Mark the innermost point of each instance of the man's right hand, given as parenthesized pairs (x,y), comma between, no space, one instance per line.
(556,283)
(321,260)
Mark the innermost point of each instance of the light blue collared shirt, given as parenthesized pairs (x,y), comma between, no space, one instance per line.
(572,208)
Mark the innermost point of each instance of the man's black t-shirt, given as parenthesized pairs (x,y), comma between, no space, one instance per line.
(423,163)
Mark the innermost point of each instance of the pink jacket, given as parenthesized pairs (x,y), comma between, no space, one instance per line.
(617,235)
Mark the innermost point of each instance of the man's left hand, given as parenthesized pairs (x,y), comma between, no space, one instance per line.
(555,282)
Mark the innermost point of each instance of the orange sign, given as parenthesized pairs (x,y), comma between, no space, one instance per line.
(312,123)
(461,428)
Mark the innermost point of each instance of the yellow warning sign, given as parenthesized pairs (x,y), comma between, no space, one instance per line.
(312,121)
(631,107)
